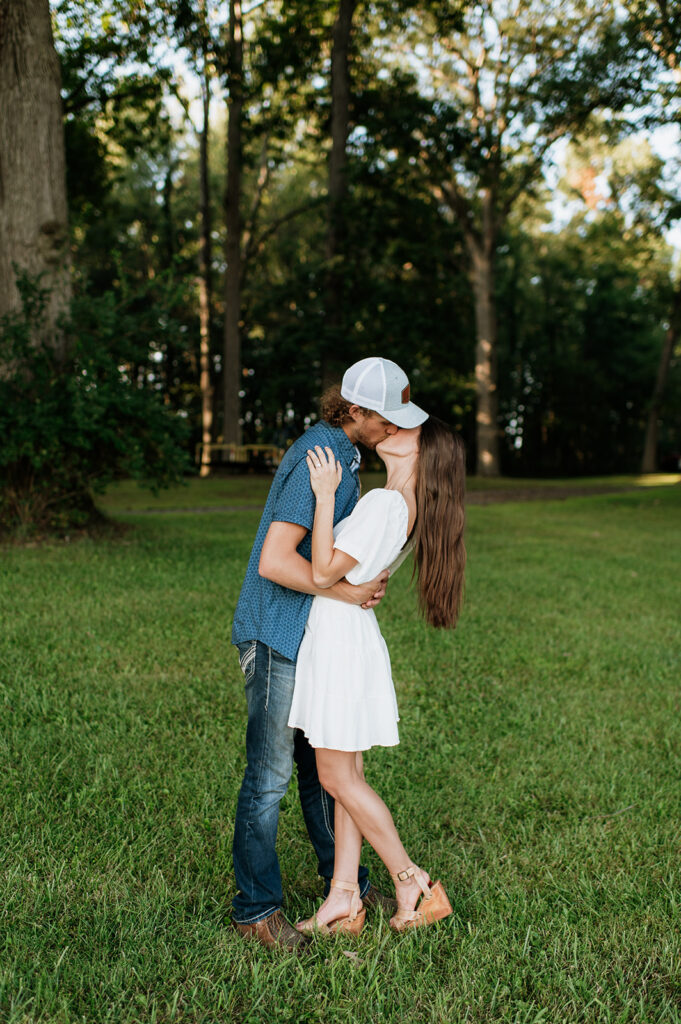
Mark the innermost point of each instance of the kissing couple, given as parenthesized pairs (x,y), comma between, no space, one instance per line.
(318,681)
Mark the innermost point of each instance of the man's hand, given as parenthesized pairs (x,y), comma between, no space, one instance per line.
(367,595)
(381,583)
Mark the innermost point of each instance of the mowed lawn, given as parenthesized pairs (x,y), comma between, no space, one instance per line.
(538,776)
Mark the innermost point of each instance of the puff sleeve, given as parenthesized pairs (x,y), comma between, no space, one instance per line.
(374,533)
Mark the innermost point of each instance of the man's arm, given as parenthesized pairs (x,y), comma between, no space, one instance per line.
(281,563)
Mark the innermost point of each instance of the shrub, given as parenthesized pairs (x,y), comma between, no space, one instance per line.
(70,424)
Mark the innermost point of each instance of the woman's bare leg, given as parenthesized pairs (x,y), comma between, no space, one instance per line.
(348,848)
(339,775)
(348,838)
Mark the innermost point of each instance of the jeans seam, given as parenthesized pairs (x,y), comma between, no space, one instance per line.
(327,821)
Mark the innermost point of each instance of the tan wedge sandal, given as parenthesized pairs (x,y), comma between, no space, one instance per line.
(350,925)
(433,904)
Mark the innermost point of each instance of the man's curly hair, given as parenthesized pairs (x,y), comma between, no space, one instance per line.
(335,409)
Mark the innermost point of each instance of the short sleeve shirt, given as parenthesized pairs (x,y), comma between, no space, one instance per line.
(267,611)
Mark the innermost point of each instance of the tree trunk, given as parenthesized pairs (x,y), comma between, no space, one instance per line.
(33,212)
(482,253)
(649,461)
(205,262)
(168,250)
(338,187)
(231,364)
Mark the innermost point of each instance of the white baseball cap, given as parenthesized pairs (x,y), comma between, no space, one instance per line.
(381,385)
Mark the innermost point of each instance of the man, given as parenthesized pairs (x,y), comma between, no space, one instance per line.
(269,622)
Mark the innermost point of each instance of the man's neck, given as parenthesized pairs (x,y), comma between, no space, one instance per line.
(349,430)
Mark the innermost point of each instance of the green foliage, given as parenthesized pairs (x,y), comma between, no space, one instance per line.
(72,423)
(654,26)
(405,294)
(133,197)
(114,88)
(580,333)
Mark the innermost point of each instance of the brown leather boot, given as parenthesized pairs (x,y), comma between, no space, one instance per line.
(274,932)
(375,900)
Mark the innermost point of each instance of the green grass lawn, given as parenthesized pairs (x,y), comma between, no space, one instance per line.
(538,776)
(251,489)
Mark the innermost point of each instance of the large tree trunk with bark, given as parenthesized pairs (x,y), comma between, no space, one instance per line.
(481,248)
(649,461)
(33,212)
(231,363)
(338,187)
(205,262)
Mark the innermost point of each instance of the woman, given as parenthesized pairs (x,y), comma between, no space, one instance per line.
(344,699)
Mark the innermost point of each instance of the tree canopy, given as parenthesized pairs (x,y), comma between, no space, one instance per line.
(266,192)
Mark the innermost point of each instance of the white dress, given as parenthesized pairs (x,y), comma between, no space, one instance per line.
(344,698)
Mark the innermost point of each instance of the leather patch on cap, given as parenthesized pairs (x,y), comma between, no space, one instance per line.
(405,395)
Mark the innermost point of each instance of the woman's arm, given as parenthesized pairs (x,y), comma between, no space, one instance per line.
(328,565)
(281,563)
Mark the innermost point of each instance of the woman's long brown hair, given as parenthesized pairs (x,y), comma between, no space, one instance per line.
(439,551)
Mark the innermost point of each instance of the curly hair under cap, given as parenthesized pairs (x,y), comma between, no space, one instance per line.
(335,409)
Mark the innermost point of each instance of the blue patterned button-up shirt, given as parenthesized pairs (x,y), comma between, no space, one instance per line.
(267,611)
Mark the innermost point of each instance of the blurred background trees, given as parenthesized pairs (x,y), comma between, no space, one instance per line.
(264,192)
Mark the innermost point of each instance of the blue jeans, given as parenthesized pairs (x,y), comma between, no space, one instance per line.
(271,749)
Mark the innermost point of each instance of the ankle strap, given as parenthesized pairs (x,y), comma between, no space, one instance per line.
(417,874)
(346,886)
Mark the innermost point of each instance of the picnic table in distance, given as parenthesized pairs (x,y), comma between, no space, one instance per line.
(251,456)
